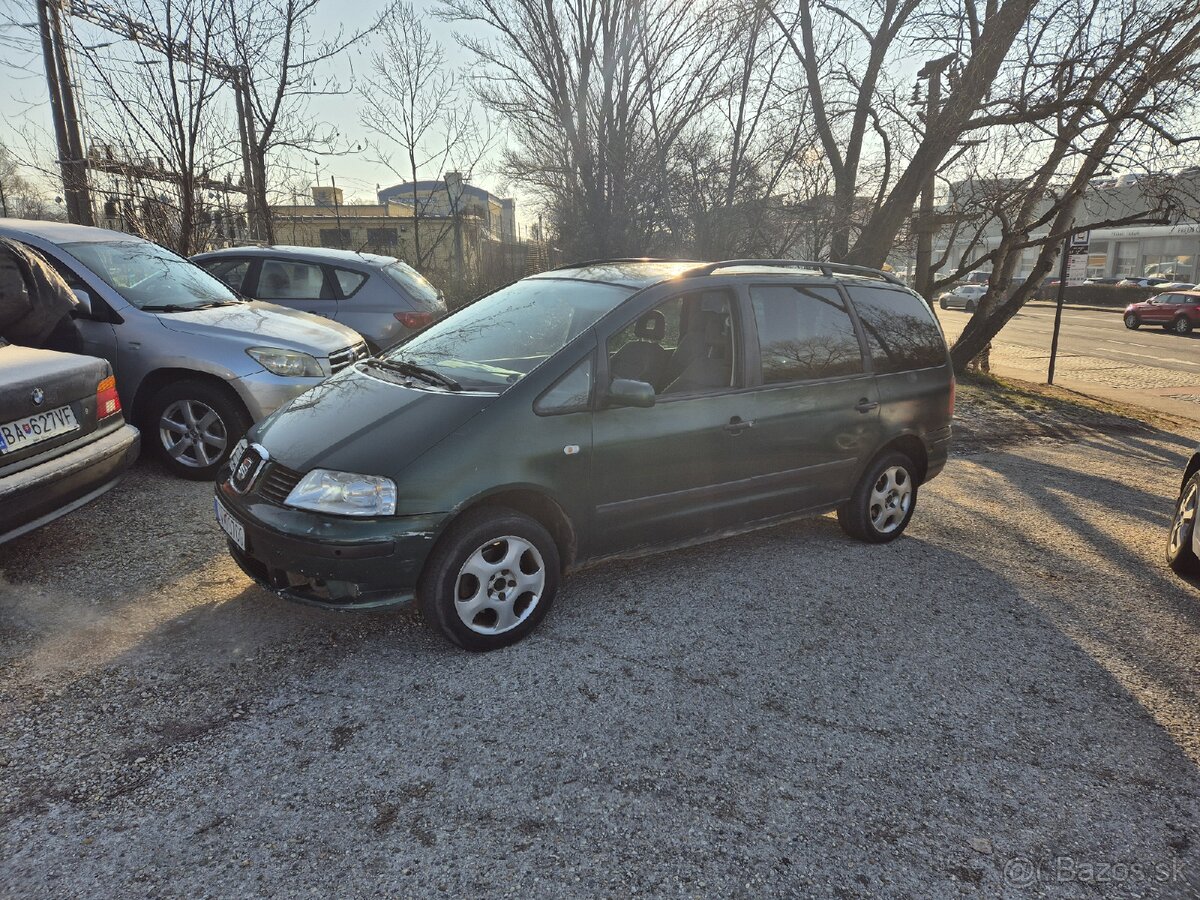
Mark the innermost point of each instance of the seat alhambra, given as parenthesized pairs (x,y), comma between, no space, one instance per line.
(592,411)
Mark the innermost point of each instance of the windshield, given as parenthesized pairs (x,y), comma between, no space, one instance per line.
(151,277)
(413,282)
(497,341)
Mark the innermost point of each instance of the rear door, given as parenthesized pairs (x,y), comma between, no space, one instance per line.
(816,408)
(305,286)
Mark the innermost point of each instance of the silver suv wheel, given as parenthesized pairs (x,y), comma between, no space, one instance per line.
(192,433)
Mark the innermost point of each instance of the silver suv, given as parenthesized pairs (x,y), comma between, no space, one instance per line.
(196,364)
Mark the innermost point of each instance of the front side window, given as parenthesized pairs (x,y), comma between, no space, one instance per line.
(151,277)
(285,280)
(496,341)
(685,345)
(231,271)
(902,333)
(805,333)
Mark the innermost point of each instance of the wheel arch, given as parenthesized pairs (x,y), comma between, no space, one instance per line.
(535,503)
(1193,467)
(155,381)
(912,446)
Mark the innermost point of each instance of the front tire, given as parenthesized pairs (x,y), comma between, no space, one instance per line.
(943,304)
(883,500)
(1182,325)
(1180,553)
(193,426)
(490,580)
(1132,322)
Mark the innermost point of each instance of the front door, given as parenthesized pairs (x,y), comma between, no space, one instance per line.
(816,412)
(674,470)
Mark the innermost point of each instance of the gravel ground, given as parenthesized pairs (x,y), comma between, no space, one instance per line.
(1002,703)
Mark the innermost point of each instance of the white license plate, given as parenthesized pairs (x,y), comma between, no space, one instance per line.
(230,525)
(36,428)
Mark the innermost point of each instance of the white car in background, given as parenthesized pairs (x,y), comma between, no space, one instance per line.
(965,296)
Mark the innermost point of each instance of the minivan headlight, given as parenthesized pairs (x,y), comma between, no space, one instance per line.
(344,494)
(286,362)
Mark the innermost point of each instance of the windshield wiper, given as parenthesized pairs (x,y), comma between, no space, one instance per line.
(178,307)
(413,370)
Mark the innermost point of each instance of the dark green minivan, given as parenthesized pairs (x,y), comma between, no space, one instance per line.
(592,411)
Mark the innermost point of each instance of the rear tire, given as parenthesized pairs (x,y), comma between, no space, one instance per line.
(1132,322)
(883,500)
(1181,556)
(1182,325)
(490,580)
(192,426)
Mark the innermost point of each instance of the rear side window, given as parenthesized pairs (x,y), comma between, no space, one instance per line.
(805,333)
(285,280)
(901,331)
(349,281)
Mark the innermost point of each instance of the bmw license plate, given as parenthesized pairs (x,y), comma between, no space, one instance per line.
(231,526)
(21,433)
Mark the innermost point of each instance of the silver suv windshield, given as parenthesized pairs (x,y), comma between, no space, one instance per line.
(151,277)
(497,341)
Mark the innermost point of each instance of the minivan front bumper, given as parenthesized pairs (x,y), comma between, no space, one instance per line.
(331,561)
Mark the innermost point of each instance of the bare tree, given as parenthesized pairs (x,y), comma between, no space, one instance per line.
(415,105)
(597,95)
(159,129)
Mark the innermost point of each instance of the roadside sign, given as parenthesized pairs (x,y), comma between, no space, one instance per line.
(1077,259)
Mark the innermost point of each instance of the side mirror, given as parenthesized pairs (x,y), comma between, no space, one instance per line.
(85,301)
(627,392)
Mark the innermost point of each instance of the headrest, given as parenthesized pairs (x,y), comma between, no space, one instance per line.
(652,326)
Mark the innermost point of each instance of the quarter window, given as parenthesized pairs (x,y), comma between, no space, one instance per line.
(901,331)
(349,281)
(804,333)
(571,393)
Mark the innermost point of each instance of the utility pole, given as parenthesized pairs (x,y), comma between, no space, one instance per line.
(926,222)
(71,161)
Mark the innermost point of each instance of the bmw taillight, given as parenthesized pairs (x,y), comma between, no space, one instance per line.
(414,319)
(107,401)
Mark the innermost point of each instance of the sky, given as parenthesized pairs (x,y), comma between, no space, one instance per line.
(25,114)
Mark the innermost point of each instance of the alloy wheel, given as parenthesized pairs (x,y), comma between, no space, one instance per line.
(1185,516)
(1182,326)
(499,585)
(193,433)
(891,499)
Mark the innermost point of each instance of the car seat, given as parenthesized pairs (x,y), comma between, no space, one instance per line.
(644,359)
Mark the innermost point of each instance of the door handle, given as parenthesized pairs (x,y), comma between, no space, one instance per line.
(737,425)
(865,406)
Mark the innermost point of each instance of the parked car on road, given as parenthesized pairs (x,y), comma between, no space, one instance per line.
(196,363)
(1177,311)
(592,411)
(380,297)
(63,438)
(1183,541)
(965,296)
(1133,281)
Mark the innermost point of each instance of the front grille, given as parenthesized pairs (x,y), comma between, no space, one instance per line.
(343,358)
(278,482)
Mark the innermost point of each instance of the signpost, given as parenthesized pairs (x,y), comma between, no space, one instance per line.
(1072,271)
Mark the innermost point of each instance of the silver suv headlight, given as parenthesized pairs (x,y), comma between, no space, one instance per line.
(344,494)
(287,363)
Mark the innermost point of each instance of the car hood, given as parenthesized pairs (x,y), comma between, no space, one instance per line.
(266,324)
(355,422)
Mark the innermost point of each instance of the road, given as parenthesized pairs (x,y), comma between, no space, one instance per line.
(1002,702)
(1098,354)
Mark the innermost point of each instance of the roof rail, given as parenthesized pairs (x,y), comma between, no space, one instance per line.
(620,259)
(828,269)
